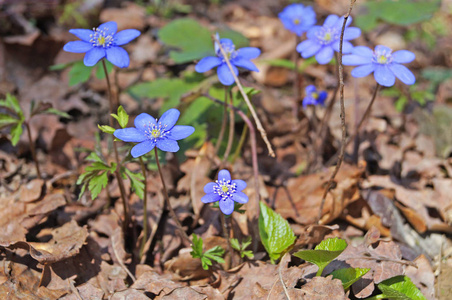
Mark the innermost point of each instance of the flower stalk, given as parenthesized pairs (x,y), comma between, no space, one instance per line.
(145,208)
(33,150)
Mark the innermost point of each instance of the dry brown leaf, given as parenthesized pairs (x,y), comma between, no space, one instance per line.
(323,288)
(31,191)
(423,276)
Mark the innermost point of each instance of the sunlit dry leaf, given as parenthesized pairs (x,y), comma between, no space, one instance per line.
(323,288)
(31,191)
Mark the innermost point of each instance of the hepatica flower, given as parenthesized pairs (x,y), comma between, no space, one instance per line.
(297,18)
(324,40)
(149,133)
(101,42)
(385,65)
(313,97)
(226,191)
(238,58)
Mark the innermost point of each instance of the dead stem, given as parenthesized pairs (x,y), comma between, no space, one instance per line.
(168,203)
(247,100)
(33,150)
(115,148)
(344,133)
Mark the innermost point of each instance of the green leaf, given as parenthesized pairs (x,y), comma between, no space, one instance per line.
(235,244)
(54,111)
(324,253)
(93,156)
(100,73)
(349,276)
(100,166)
(400,288)
(16,132)
(192,40)
(215,254)
(280,62)
(196,246)
(275,232)
(14,103)
(79,73)
(6,120)
(106,129)
(59,67)
(136,180)
(122,117)
(97,183)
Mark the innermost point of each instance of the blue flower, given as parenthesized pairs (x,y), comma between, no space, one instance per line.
(313,97)
(324,40)
(385,64)
(297,18)
(238,58)
(101,42)
(226,191)
(149,132)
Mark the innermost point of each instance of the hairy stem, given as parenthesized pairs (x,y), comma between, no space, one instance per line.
(223,123)
(226,235)
(344,133)
(115,148)
(296,82)
(231,130)
(145,208)
(33,150)
(247,100)
(168,203)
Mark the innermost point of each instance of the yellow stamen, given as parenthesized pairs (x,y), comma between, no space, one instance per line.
(224,189)
(101,40)
(382,59)
(296,21)
(155,133)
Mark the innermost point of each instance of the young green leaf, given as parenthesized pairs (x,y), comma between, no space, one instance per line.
(106,129)
(400,288)
(97,183)
(79,73)
(14,103)
(215,254)
(324,253)
(196,246)
(100,73)
(136,181)
(6,120)
(16,132)
(275,232)
(235,244)
(54,111)
(93,156)
(122,117)
(349,276)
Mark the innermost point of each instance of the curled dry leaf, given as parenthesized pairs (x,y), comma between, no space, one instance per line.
(31,191)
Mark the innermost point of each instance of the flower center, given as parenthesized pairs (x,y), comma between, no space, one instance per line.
(155,131)
(315,95)
(382,56)
(225,188)
(327,35)
(100,38)
(229,49)
(296,21)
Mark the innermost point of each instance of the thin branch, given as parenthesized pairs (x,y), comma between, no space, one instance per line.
(145,208)
(247,100)
(344,133)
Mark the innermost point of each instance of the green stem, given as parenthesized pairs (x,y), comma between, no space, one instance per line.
(168,203)
(320,271)
(115,148)
(33,150)
(145,208)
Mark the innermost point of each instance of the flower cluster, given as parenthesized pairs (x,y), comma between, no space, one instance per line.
(101,42)
(149,132)
(297,18)
(385,65)
(238,58)
(324,40)
(226,191)
(313,97)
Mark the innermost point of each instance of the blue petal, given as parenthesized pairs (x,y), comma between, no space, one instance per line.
(227,206)
(248,52)
(351,33)
(403,56)
(322,97)
(224,175)
(125,36)
(325,55)
(363,70)
(305,45)
(240,197)
(142,148)
(83,34)
(383,48)
(340,22)
(93,56)
(109,27)
(384,76)
(363,51)
(77,47)
(347,47)
(130,135)
(143,121)
(118,56)
(310,89)
(355,60)
(244,63)
(308,100)
(311,34)
(241,185)
(169,118)
(208,188)
(211,197)
(311,51)
(330,20)
(402,73)
(207,63)
(225,75)
(167,145)
(179,132)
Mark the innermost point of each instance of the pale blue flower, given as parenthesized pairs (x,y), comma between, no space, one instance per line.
(297,18)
